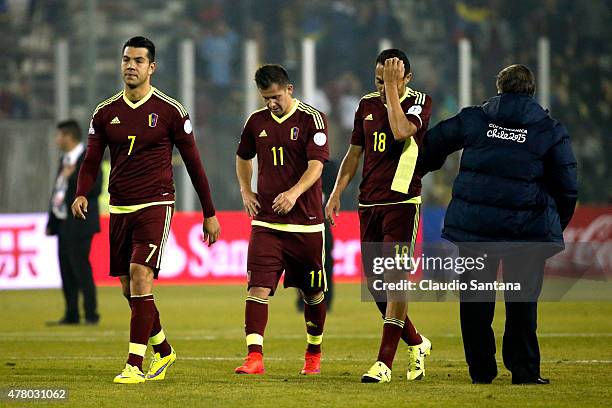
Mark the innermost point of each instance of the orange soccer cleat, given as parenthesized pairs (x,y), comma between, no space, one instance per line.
(312,364)
(253,364)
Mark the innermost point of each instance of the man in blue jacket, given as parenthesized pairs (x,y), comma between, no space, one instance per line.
(516,184)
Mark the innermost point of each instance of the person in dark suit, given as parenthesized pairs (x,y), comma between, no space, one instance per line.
(74,236)
(516,188)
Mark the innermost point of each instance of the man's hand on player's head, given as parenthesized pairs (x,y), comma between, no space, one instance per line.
(211,230)
(332,208)
(79,207)
(284,202)
(393,72)
(251,205)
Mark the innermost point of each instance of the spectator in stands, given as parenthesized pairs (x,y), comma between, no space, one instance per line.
(219,48)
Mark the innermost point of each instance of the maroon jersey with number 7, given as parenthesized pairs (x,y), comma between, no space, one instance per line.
(140,137)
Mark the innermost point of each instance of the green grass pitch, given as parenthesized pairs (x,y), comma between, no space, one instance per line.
(205,325)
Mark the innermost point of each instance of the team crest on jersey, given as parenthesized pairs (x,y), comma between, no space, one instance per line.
(153,119)
(294,133)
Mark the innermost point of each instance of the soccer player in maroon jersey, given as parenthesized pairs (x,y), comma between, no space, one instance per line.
(388,131)
(140,126)
(289,139)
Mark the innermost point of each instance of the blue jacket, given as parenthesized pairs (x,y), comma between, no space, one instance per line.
(517,178)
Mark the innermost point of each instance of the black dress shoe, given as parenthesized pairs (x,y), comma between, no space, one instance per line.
(92,321)
(62,322)
(538,381)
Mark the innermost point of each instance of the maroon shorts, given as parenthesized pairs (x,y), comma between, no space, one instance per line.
(299,254)
(384,226)
(139,237)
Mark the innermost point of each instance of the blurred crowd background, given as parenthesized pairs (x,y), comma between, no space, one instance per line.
(347,34)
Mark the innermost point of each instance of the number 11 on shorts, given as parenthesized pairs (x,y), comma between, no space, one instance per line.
(312,278)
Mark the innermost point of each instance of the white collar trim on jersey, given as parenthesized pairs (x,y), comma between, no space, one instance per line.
(140,102)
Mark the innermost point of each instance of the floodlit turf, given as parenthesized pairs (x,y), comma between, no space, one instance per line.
(205,325)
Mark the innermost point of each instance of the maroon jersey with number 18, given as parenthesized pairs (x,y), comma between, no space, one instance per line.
(283,147)
(389,169)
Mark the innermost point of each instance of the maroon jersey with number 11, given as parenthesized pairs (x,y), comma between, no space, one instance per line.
(283,147)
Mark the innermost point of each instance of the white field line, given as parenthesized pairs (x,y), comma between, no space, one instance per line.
(230,358)
(88,337)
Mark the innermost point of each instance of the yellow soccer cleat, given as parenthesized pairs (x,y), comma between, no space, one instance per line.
(159,366)
(130,375)
(416,364)
(378,373)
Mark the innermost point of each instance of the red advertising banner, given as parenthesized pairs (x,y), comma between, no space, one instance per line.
(187,259)
(28,258)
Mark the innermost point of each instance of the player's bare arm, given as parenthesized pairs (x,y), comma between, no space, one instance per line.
(394,80)
(284,202)
(244,172)
(347,171)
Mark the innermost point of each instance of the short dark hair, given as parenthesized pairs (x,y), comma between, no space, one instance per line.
(394,53)
(516,79)
(71,127)
(141,42)
(270,74)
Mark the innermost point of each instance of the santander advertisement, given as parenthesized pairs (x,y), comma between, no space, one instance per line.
(28,258)
(187,259)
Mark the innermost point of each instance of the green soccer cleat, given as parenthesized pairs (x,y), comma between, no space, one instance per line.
(159,365)
(378,373)
(130,375)
(416,364)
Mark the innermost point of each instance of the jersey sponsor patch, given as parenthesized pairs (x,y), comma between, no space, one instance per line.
(187,126)
(295,131)
(415,110)
(319,138)
(115,121)
(369,117)
(263,133)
